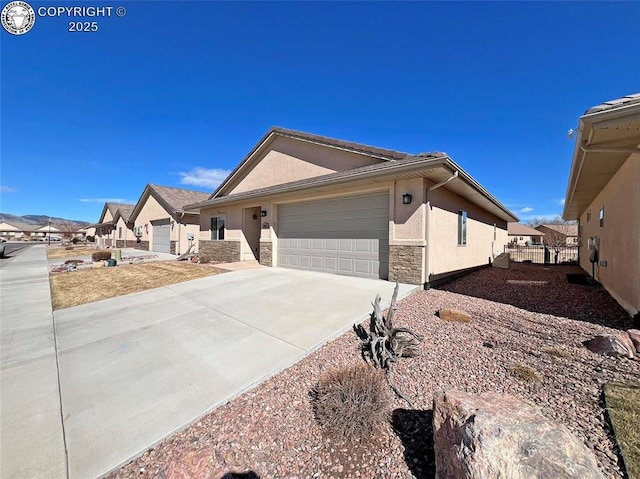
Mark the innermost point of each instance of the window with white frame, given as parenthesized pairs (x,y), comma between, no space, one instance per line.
(462,228)
(217,227)
(602,217)
(119,232)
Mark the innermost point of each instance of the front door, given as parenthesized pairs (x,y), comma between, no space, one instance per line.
(251,234)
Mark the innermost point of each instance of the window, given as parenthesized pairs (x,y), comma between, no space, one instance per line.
(119,232)
(137,231)
(602,217)
(217,228)
(462,228)
(588,216)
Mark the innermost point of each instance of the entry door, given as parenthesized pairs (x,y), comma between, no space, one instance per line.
(252,234)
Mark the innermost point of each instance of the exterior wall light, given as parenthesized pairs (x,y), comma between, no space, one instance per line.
(406,199)
(263,213)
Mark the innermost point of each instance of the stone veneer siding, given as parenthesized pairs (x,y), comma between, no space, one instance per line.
(220,251)
(143,245)
(172,247)
(266,253)
(125,243)
(405,264)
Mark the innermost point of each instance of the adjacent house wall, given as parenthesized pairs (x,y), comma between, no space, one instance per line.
(152,210)
(123,235)
(619,236)
(444,254)
(290,160)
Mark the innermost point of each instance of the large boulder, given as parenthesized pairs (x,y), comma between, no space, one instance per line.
(618,345)
(634,335)
(496,436)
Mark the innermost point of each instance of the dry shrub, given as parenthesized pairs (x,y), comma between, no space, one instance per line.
(352,403)
(560,353)
(101,256)
(525,373)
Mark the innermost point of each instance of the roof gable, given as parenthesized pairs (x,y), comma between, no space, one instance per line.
(110,209)
(171,199)
(290,155)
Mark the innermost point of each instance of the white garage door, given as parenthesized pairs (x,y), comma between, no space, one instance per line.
(161,236)
(344,235)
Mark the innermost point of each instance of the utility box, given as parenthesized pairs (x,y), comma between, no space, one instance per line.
(118,253)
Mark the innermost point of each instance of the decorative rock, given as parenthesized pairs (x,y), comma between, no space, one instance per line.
(451,314)
(634,335)
(618,345)
(98,264)
(492,435)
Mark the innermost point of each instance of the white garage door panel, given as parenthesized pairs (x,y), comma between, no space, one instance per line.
(345,236)
(161,236)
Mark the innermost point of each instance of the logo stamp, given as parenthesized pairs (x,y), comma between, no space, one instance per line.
(18,17)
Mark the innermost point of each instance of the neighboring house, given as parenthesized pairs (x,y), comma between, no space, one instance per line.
(48,230)
(15,230)
(603,194)
(521,235)
(559,234)
(124,236)
(305,201)
(105,229)
(162,224)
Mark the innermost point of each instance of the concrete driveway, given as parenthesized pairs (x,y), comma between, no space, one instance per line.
(136,368)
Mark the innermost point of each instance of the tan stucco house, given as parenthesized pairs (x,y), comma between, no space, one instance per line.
(604,196)
(106,230)
(160,222)
(17,230)
(521,235)
(304,201)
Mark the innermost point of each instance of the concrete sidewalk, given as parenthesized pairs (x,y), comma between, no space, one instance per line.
(31,435)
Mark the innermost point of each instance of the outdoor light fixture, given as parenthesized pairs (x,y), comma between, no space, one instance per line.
(406,199)
(263,213)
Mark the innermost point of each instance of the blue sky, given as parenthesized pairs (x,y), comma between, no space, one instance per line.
(176,93)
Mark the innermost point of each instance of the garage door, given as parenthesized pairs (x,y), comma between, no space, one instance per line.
(344,236)
(161,236)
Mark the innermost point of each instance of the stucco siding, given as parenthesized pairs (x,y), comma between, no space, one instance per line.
(445,255)
(619,236)
(290,160)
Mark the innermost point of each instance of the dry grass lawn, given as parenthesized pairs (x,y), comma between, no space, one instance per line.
(623,405)
(89,285)
(55,252)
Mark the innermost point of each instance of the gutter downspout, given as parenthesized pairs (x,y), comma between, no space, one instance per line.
(428,225)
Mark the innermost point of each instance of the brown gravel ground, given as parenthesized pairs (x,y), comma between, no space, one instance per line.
(270,431)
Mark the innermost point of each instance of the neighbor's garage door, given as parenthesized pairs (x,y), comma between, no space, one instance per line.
(161,236)
(348,235)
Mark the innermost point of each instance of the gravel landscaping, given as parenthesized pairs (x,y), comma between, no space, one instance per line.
(270,431)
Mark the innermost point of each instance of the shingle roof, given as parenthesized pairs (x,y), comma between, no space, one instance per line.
(22,226)
(518,229)
(114,207)
(176,198)
(565,229)
(617,103)
(349,145)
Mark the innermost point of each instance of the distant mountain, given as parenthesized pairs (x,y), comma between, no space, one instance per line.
(62,223)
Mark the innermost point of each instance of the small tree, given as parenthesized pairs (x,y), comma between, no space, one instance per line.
(555,232)
(384,344)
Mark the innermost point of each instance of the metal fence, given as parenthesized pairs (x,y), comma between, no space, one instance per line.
(542,254)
